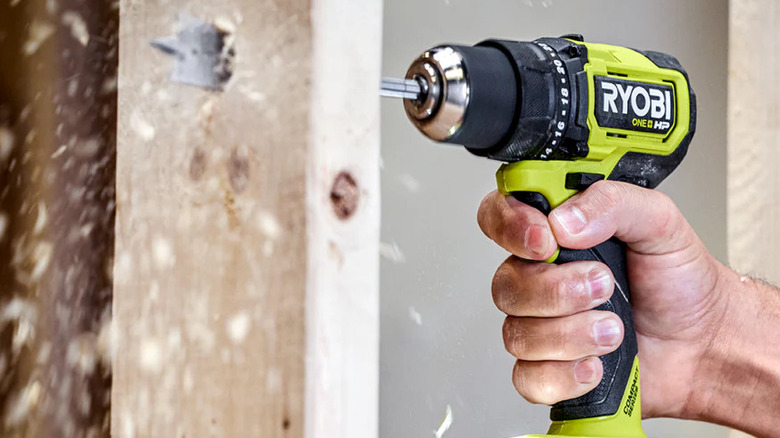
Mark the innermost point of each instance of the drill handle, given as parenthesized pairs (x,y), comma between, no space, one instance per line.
(607,397)
(620,379)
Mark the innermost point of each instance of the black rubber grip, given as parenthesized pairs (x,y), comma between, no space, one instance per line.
(606,398)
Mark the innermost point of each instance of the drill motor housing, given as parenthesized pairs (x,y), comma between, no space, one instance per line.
(560,99)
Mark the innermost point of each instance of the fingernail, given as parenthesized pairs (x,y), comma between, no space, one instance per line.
(600,284)
(585,371)
(606,332)
(536,239)
(570,218)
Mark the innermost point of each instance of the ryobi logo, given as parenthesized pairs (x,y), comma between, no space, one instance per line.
(635,106)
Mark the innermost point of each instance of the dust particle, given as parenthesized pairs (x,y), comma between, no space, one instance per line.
(73,87)
(24,314)
(445,424)
(6,144)
(150,357)
(3,224)
(42,219)
(162,252)
(415,315)
(42,257)
(238,327)
(22,404)
(143,128)
(391,252)
(61,150)
(39,32)
(268,225)
(78,28)
(109,85)
(409,182)
(81,354)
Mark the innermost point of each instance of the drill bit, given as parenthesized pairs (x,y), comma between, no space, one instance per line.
(401,88)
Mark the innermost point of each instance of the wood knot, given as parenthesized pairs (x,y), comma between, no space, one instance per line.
(344,195)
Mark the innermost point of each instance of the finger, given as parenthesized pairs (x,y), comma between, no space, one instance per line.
(647,220)
(551,382)
(538,289)
(592,333)
(520,229)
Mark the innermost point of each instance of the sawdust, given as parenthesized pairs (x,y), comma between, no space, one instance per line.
(78,28)
(446,423)
(39,32)
(144,129)
(238,327)
(415,315)
(391,252)
(7,140)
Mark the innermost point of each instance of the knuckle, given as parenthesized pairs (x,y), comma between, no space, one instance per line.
(483,213)
(558,341)
(514,340)
(501,288)
(605,198)
(567,292)
(537,383)
(518,378)
(557,298)
(606,194)
(668,222)
(507,333)
(501,229)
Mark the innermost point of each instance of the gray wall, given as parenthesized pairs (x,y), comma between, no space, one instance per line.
(441,336)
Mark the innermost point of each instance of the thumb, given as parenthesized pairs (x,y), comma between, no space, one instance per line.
(646,220)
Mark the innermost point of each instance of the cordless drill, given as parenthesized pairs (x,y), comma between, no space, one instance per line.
(563,114)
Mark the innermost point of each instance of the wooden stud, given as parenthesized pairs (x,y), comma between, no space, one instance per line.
(58,65)
(753,130)
(246,273)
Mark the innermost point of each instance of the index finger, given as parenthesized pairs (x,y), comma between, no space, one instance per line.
(519,228)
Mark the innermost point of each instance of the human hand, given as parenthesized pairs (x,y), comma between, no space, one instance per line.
(550,327)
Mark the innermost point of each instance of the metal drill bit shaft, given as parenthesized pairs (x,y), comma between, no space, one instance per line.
(401,88)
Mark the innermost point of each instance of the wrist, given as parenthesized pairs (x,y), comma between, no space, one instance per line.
(737,381)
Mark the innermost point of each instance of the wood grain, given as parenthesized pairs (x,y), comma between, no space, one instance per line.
(342,309)
(244,306)
(211,240)
(754,129)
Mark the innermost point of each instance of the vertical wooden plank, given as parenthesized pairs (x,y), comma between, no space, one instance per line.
(754,125)
(343,218)
(753,132)
(245,275)
(57,134)
(211,241)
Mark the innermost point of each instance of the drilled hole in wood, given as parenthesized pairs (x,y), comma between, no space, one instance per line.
(344,195)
